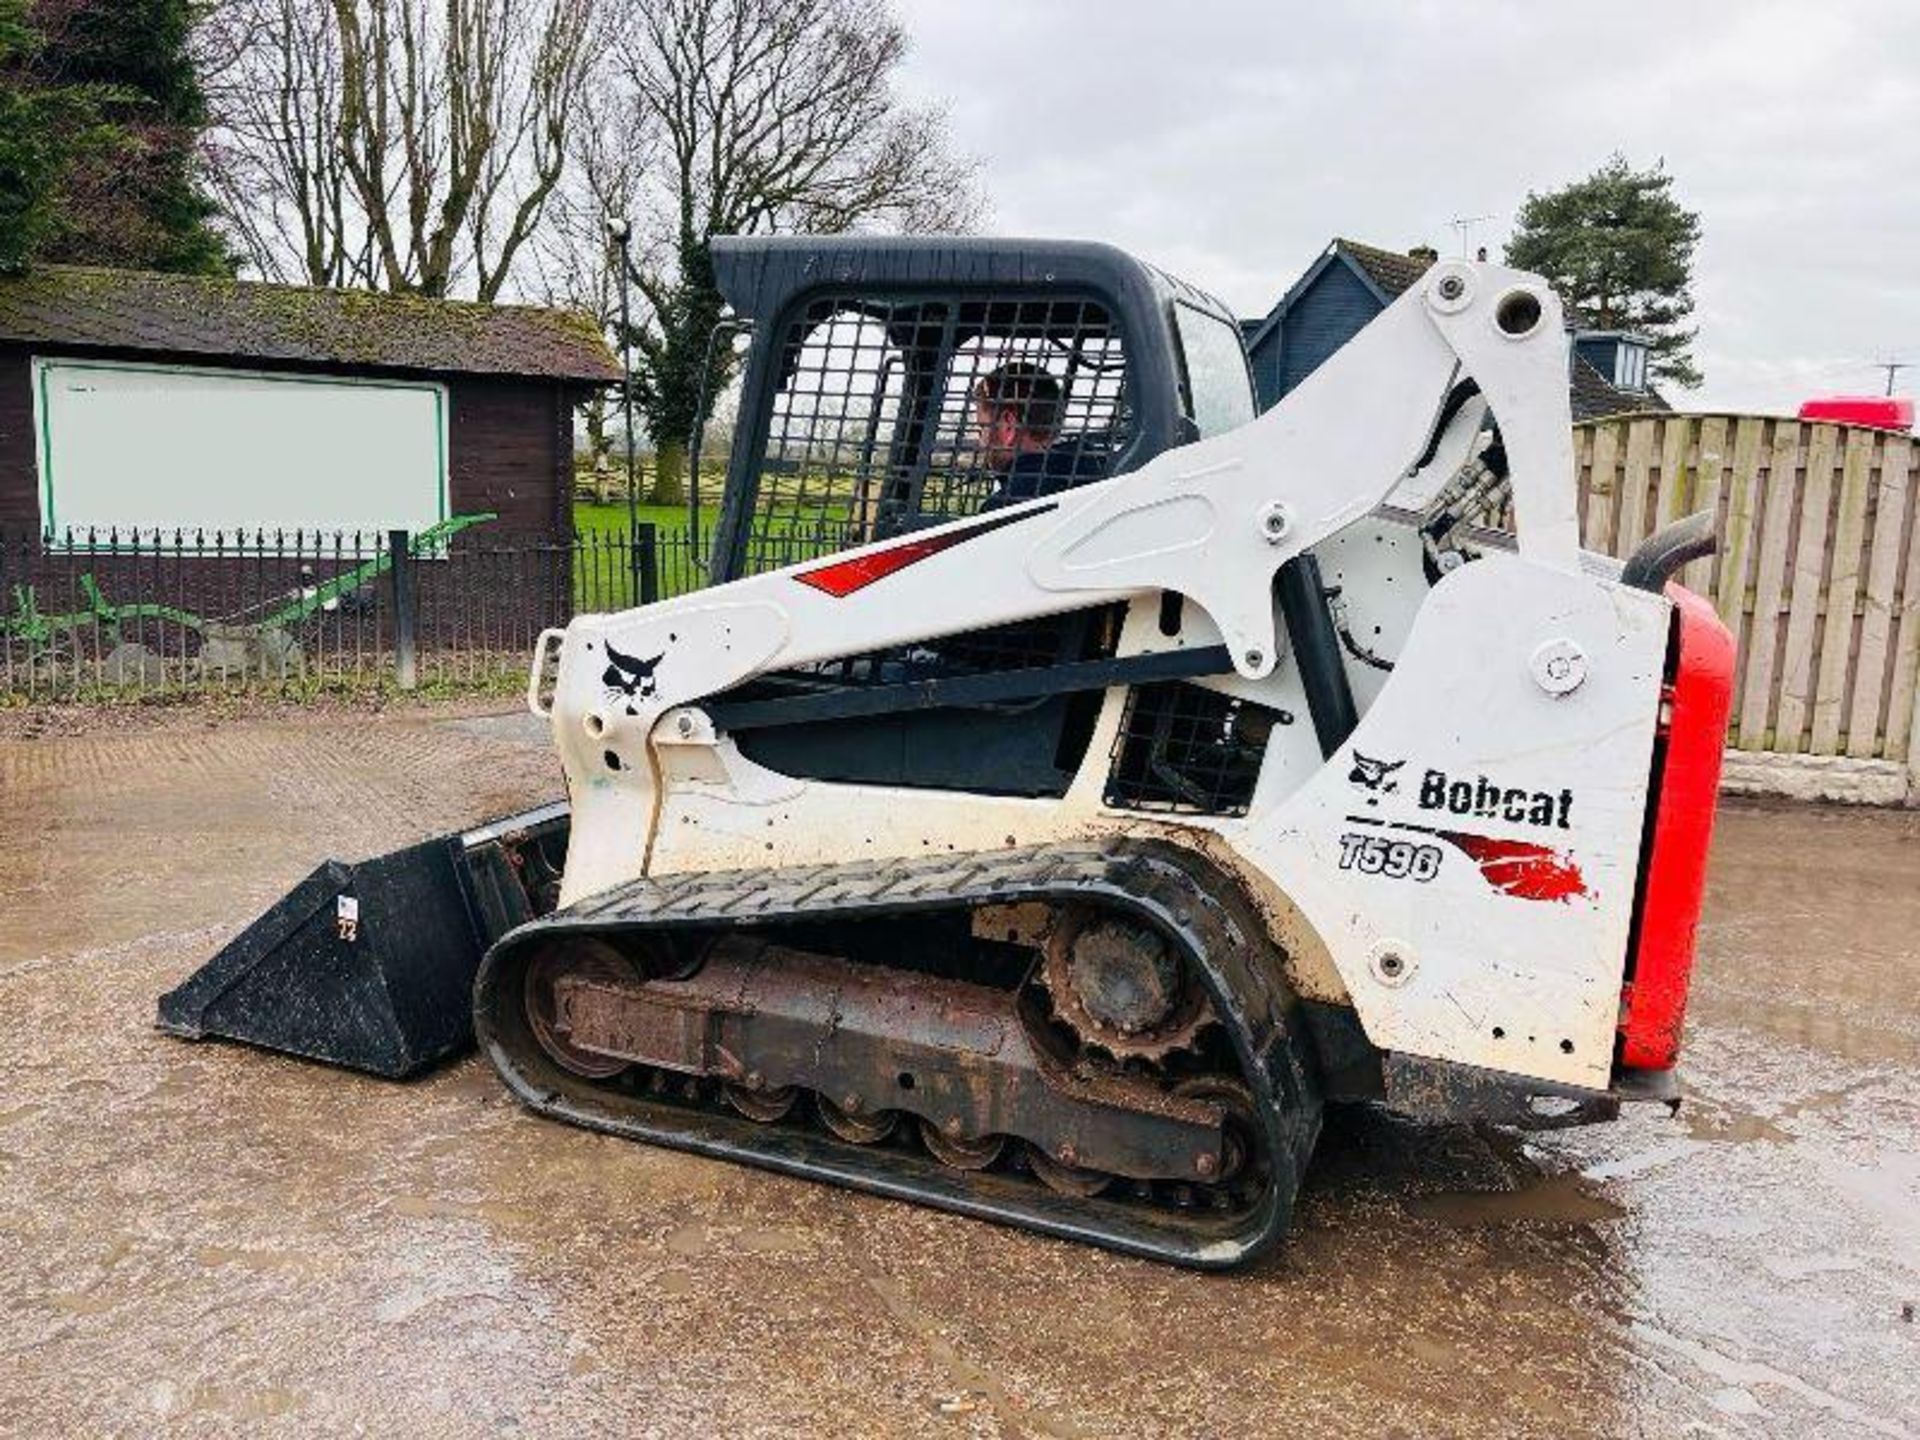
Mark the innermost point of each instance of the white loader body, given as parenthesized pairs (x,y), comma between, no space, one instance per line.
(1462,870)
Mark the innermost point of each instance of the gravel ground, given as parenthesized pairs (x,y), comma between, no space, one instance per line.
(205,1239)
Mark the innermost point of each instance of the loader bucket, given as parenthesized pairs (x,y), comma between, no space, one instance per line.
(371,965)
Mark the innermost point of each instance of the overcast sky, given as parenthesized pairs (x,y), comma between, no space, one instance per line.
(1229,140)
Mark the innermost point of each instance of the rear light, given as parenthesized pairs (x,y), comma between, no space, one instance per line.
(1693,707)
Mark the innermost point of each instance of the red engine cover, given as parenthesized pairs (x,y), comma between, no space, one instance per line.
(1654,1000)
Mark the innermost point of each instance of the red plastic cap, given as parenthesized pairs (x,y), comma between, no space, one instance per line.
(1881,412)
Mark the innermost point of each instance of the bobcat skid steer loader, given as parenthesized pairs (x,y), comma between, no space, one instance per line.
(1072,782)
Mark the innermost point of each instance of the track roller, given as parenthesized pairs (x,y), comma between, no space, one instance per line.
(1066,1179)
(565,960)
(765,1106)
(958,1152)
(857,1129)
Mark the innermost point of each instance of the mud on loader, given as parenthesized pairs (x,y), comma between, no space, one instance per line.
(1047,827)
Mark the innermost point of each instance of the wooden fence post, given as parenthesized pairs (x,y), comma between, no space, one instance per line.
(1913,751)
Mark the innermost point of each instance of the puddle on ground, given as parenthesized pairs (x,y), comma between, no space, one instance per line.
(229,1402)
(86,1302)
(1552,1200)
(695,1240)
(214,1256)
(1731,1126)
(677,1282)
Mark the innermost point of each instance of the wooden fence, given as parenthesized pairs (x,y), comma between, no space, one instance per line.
(1818,573)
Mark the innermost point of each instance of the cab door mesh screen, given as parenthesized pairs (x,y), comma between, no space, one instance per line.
(879,422)
(834,425)
(1003,363)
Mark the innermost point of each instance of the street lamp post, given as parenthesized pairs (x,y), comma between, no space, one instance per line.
(620,231)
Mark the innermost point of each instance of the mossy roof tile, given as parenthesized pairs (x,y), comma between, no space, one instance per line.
(81,307)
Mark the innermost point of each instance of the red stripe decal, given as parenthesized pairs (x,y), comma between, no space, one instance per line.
(840,578)
(1523,869)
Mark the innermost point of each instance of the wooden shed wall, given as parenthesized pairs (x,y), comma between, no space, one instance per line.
(512,452)
(19,473)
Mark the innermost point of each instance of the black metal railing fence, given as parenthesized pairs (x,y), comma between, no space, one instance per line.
(107,611)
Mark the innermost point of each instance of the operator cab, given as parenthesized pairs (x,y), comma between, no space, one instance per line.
(870,357)
(872,365)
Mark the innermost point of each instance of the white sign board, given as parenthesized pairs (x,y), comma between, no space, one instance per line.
(145,447)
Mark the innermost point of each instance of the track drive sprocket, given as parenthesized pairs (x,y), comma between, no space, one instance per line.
(1120,989)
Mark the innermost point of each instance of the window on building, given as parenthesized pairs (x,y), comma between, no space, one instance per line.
(1629,367)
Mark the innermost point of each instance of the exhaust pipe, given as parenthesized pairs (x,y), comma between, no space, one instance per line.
(1662,554)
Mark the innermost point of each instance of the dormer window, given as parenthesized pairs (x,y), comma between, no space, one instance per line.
(1630,366)
(1620,357)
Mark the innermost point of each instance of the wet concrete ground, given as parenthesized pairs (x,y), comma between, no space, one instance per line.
(207,1239)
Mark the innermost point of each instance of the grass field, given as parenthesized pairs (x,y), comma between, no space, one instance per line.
(592,518)
(602,578)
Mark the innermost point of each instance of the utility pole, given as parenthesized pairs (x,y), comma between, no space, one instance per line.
(1893,368)
(1464,224)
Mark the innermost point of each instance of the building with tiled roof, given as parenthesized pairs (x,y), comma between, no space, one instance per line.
(1350,283)
(135,399)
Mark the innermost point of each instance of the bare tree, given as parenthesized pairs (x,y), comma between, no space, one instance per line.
(574,263)
(765,115)
(408,145)
(273,76)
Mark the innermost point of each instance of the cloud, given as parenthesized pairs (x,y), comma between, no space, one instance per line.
(1229,140)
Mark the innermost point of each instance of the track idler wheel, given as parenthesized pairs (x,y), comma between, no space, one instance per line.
(586,959)
(957,1151)
(857,1129)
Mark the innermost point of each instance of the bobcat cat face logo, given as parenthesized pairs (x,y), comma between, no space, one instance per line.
(629,676)
(1374,775)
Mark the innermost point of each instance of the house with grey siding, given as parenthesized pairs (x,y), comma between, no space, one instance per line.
(1350,283)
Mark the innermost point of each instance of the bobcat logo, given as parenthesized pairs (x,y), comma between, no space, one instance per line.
(629,676)
(1374,775)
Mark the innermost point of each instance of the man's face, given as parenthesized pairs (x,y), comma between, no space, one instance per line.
(998,431)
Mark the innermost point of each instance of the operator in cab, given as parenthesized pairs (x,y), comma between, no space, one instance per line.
(1017,411)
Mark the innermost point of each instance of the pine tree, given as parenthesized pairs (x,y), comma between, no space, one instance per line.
(1619,247)
(41,129)
(132,196)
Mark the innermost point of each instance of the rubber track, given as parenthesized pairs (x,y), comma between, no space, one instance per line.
(1180,893)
